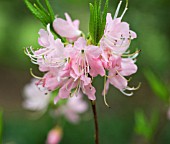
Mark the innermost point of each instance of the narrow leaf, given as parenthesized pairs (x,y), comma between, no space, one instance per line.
(104,18)
(91,23)
(99,22)
(41,6)
(146,127)
(158,87)
(35,12)
(142,126)
(95,21)
(43,14)
(51,12)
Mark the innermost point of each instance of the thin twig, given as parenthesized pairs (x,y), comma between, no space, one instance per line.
(93,103)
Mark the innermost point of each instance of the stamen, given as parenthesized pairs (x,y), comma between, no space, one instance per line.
(124,10)
(111,44)
(129,79)
(127,94)
(76,91)
(133,88)
(121,75)
(123,13)
(105,101)
(117,10)
(133,54)
(88,67)
(35,75)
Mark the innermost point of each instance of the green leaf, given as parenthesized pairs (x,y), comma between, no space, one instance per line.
(91,23)
(35,12)
(97,21)
(41,6)
(43,14)
(158,86)
(51,12)
(104,18)
(1,125)
(145,127)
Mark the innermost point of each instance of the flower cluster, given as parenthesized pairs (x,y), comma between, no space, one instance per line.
(71,62)
(36,100)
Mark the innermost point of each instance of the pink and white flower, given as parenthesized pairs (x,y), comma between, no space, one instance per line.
(84,64)
(67,28)
(71,66)
(36,99)
(73,108)
(120,68)
(117,35)
(51,55)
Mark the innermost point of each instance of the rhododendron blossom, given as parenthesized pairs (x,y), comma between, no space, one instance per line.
(75,106)
(67,28)
(117,35)
(72,61)
(54,136)
(37,100)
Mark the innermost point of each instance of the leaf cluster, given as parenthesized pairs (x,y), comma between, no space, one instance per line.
(97,20)
(44,14)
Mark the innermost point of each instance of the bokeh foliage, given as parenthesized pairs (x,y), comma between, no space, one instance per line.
(150,19)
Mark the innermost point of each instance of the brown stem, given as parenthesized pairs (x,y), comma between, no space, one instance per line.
(95,122)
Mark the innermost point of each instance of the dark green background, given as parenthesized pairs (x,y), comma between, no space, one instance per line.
(18,29)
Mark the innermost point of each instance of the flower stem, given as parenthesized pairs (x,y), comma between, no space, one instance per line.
(93,103)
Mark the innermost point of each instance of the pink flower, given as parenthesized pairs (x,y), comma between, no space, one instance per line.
(51,55)
(86,59)
(70,87)
(54,136)
(71,67)
(74,106)
(121,67)
(117,35)
(84,64)
(67,28)
(36,99)
(51,80)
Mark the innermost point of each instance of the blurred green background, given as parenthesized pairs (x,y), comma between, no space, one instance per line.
(18,29)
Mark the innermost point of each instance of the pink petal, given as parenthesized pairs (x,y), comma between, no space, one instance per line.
(66,28)
(72,116)
(76,23)
(65,90)
(119,82)
(128,67)
(94,51)
(80,43)
(43,39)
(133,35)
(90,91)
(96,67)
(54,136)
(86,80)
